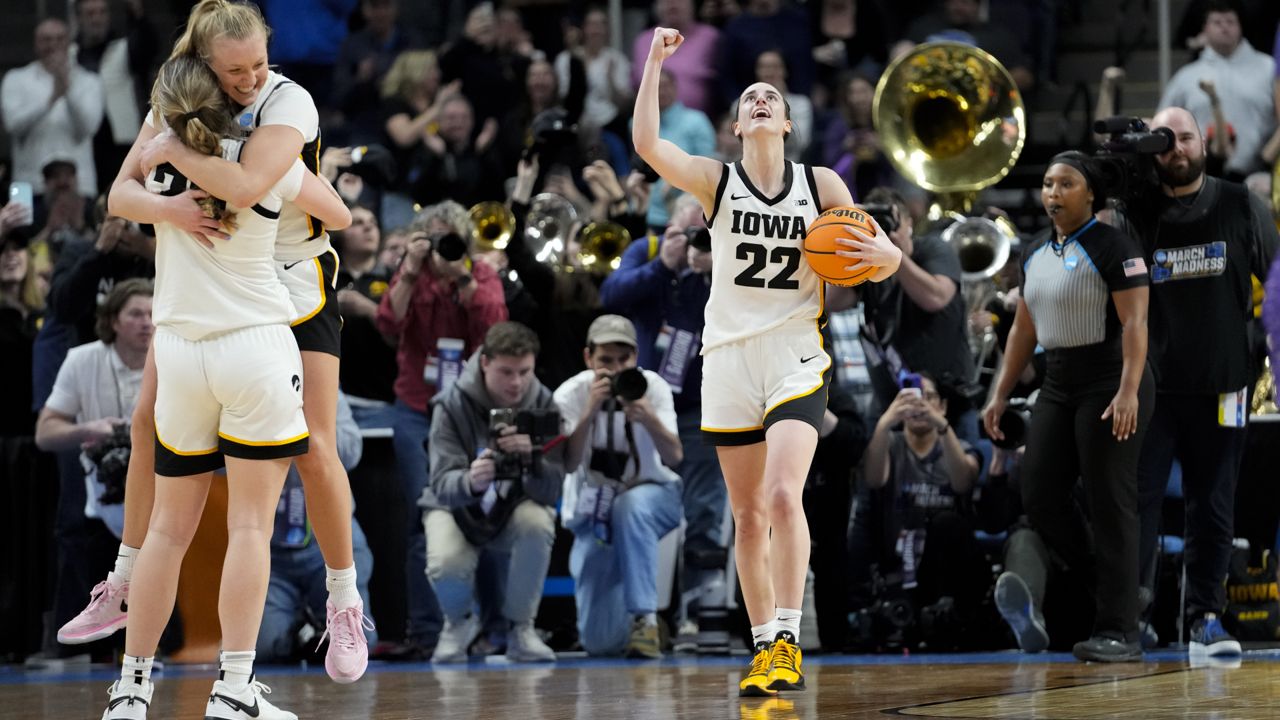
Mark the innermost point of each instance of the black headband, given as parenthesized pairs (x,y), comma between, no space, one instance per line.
(1075,161)
(188,117)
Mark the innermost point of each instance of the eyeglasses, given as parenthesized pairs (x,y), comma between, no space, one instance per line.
(932,396)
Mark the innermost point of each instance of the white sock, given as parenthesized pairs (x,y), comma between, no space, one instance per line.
(124,562)
(341,585)
(236,667)
(649,619)
(764,634)
(136,669)
(788,621)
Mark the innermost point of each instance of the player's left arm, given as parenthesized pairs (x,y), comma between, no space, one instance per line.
(878,250)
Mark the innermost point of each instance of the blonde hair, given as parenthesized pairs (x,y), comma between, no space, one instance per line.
(34,287)
(187,98)
(212,19)
(407,71)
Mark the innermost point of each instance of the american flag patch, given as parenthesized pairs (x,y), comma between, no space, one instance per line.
(1134,267)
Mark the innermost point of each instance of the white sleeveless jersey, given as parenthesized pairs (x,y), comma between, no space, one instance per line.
(760,279)
(284,102)
(203,292)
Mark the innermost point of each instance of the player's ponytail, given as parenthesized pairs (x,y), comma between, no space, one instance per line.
(186,97)
(212,19)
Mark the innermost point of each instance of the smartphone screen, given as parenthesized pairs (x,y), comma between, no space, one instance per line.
(21,193)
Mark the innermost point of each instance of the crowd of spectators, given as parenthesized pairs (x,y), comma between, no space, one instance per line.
(461,340)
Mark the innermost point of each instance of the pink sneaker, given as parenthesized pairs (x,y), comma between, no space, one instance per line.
(348,654)
(108,611)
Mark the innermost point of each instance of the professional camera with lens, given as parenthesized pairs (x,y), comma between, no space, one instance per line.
(698,237)
(1126,161)
(540,424)
(883,215)
(111,459)
(630,385)
(553,139)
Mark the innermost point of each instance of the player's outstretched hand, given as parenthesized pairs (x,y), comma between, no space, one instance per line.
(665,42)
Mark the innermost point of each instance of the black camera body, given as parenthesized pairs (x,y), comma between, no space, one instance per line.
(883,215)
(111,459)
(540,424)
(1126,161)
(629,385)
(1015,422)
(699,237)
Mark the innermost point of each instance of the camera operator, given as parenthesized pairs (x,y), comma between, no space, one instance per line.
(436,295)
(494,485)
(664,290)
(88,410)
(921,476)
(1204,238)
(622,494)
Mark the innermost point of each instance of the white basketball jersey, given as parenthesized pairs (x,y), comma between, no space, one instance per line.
(203,292)
(760,279)
(284,102)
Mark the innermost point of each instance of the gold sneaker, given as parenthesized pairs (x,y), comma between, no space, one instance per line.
(755,684)
(784,664)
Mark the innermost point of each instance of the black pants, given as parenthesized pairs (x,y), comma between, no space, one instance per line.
(1069,440)
(1186,427)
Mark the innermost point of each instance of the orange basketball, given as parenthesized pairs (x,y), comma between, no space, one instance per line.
(820,246)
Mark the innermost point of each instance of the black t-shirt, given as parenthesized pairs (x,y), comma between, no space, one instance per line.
(934,342)
(1201,251)
(368,360)
(993,38)
(1068,287)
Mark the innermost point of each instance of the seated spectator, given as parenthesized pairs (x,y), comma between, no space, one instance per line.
(123,63)
(363,62)
(960,21)
(49,106)
(696,66)
(490,74)
(772,69)
(88,411)
(454,167)
(368,358)
(920,475)
(434,297)
(608,74)
(296,591)
(411,100)
(847,35)
(850,143)
(492,487)
(1243,80)
(766,25)
(621,495)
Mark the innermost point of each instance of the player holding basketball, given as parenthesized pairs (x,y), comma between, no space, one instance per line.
(765,370)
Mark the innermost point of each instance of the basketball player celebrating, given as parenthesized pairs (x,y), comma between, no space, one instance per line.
(228,388)
(231,39)
(765,375)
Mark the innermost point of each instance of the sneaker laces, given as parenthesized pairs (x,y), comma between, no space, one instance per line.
(343,626)
(98,595)
(784,655)
(760,663)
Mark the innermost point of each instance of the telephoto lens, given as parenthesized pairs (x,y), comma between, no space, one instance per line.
(630,385)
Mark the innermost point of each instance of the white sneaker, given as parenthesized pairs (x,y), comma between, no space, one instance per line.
(455,638)
(107,612)
(248,704)
(129,700)
(524,645)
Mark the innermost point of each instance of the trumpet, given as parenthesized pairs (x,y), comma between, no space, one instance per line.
(491,225)
(602,246)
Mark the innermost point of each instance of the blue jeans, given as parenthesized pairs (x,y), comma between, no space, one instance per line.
(613,583)
(370,416)
(704,498)
(297,584)
(410,443)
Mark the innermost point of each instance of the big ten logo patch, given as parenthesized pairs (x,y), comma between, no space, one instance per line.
(1193,261)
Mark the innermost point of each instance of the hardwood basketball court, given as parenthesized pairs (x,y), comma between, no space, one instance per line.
(993,685)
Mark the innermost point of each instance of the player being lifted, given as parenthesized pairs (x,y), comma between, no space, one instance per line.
(765,374)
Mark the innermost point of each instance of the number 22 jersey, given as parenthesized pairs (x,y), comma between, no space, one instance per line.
(760,280)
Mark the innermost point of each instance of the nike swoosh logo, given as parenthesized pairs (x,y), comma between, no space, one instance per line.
(237,705)
(739,197)
(805,360)
(122,700)
(289,266)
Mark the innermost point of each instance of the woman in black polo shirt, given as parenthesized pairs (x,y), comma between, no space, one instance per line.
(1084,300)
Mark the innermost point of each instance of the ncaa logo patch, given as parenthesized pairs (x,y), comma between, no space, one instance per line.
(246,119)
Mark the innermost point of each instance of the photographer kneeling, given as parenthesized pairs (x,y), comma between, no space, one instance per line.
(493,485)
(88,410)
(622,495)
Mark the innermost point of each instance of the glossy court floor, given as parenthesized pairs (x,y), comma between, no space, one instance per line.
(996,685)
